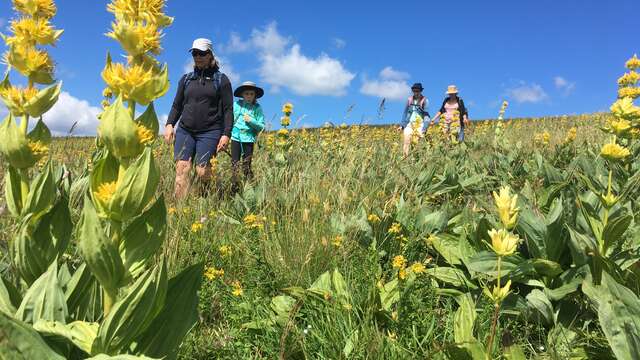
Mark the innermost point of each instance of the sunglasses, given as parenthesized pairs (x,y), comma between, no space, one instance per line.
(198,53)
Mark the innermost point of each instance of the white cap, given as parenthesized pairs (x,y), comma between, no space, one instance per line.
(202,45)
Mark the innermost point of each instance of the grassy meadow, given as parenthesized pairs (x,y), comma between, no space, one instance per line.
(347,205)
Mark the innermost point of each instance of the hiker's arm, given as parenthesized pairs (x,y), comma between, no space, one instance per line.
(227,105)
(178,104)
(403,121)
(257,124)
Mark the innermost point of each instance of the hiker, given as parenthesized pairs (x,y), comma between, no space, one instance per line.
(414,116)
(248,121)
(204,106)
(455,113)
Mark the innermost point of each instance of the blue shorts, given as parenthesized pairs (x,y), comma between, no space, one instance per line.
(198,148)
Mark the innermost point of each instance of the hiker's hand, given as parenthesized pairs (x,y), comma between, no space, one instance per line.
(222,144)
(247,118)
(168,134)
(400,128)
(467,122)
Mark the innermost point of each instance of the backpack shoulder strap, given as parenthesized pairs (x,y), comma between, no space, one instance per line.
(217,79)
(188,77)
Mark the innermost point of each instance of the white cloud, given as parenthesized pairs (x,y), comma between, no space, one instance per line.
(339,43)
(235,45)
(391,84)
(564,85)
(527,93)
(283,65)
(69,110)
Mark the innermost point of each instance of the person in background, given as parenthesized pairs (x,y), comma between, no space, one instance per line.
(413,118)
(204,106)
(248,123)
(454,112)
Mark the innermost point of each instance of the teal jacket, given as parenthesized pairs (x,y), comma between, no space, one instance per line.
(246,131)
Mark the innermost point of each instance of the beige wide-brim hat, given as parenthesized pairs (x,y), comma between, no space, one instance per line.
(248,85)
(452,89)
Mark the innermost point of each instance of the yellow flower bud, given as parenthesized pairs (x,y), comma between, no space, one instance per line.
(119,132)
(633,63)
(499,293)
(507,209)
(620,127)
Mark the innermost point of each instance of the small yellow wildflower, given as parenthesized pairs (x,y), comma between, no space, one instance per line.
(571,135)
(395,228)
(196,226)
(171,210)
(373,218)
(337,241)
(253,221)
(38,149)
(237,288)
(212,273)
(399,262)
(287,108)
(418,268)
(633,63)
(285,121)
(225,250)
(402,274)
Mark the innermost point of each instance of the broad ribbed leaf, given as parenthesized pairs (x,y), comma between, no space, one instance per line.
(178,316)
(81,334)
(9,297)
(83,295)
(143,237)
(539,302)
(618,310)
(100,254)
(12,191)
(464,319)
(131,315)
(44,300)
(42,192)
(20,342)
(614,230)
(451,276)
(137,188)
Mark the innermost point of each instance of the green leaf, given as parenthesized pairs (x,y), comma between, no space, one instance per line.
(514,266)
(618,310)
(120,357)
(13,191)
(80,294)
(464,319)
(42,192)
(429,222)
(177,317)
(43,101)
(533,229)
(514,352)
(137,188)
(570,281)
(547,268)
(451,276)
(555,237)
(561,342)
(20,342)
(322,285)
(340,287)
(581,246)
(614,230)
(14,145)
(9,297)
(117,130)
(44,300)
(389,294)
(81,334)
(539,302)
(447,246)
(133,314)
(100,254)
(143,238)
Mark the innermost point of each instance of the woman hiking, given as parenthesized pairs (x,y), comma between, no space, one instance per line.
(204,107)
(455,113)
(413,118)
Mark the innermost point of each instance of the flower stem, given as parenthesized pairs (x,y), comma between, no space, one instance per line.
(24,124)
(132,109)
(24,184)
(492,333)
(108,301)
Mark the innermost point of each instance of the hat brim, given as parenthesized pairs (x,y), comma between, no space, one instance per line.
(451,92)
(417,88)
(241,89)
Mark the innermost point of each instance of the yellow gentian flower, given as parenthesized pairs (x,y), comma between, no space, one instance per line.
(507,209)
(503,242)
(614,152)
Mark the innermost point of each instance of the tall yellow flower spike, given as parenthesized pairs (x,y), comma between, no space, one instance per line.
(36,8)
(507,209)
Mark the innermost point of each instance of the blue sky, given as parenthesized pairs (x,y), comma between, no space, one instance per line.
(545,57)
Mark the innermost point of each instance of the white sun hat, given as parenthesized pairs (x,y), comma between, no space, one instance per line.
(202,44)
